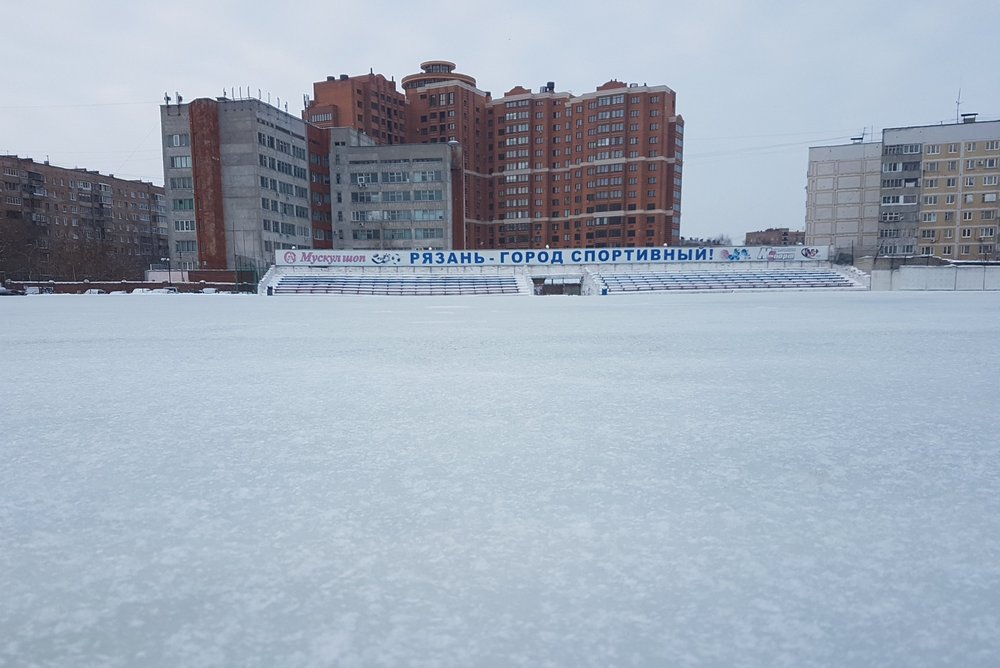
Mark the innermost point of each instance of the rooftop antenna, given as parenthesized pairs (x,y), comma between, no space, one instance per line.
(179,98)
(166,98)
(958,105)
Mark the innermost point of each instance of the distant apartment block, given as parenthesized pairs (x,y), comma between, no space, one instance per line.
(937,193)
(775,236)
(73,224)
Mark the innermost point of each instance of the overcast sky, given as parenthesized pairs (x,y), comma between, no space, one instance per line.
(757,82)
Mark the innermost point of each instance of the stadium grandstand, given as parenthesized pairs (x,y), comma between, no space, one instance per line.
(602,271)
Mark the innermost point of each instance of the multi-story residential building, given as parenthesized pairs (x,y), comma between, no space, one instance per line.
(237,177)
(70,224)
(369,103)
(775,236)
(540,168)
(938,189)
(440,164)
(952,210)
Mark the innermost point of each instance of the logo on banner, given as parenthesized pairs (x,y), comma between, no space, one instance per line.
(386,258)
(290,257)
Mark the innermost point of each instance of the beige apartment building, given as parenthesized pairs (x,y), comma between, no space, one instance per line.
(926,190)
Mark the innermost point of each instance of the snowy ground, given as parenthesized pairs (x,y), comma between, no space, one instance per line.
(668,480)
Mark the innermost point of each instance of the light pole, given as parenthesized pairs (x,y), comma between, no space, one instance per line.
(170,278)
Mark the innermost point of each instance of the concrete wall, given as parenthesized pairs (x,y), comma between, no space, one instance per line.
(977,277)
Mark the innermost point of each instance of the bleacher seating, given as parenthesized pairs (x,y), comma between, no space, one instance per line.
(798,279)
(395,284)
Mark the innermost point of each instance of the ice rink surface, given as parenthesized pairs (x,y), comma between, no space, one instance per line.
(769,479)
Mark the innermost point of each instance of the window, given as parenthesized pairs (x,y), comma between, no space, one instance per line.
(930,199)
(970,146)
(932,149)
(929,217)
(964,249)
(180,162)
(179,140)
(184,225)
(970,181)
(185,204)
(990,180)
(186,246)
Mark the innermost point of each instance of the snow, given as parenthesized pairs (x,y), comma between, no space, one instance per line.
(767,479)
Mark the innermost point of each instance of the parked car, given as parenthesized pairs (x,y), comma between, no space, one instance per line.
(7,292)
(94,291)
(165,291)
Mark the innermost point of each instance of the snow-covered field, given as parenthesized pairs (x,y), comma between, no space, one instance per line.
(792,479)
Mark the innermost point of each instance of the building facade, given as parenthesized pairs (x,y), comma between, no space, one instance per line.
(74,224)
(395,196)
(440,164)
(775,236)
(924,190)
(842,198)
(539,168)
(237,183)
(940,190)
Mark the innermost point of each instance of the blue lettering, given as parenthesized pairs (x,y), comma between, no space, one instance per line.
(615,255)
(452,258)
(654,255)
(439,258)
(480,259)
(589,256)
(701,254)
(683,255)
(428,258)
(557,257)
(543,257)
(465,258)
(628,254)
(414,257)
(642,255)
(503,256)
(517,257)
(575,257)
(603,255)
(529,256)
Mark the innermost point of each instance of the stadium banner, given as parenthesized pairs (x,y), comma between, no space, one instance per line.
(547,257)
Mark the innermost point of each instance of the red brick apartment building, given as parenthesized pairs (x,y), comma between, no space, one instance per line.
(544,168)
(59,224)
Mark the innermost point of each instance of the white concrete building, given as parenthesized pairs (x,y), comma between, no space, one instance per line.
(842,198)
